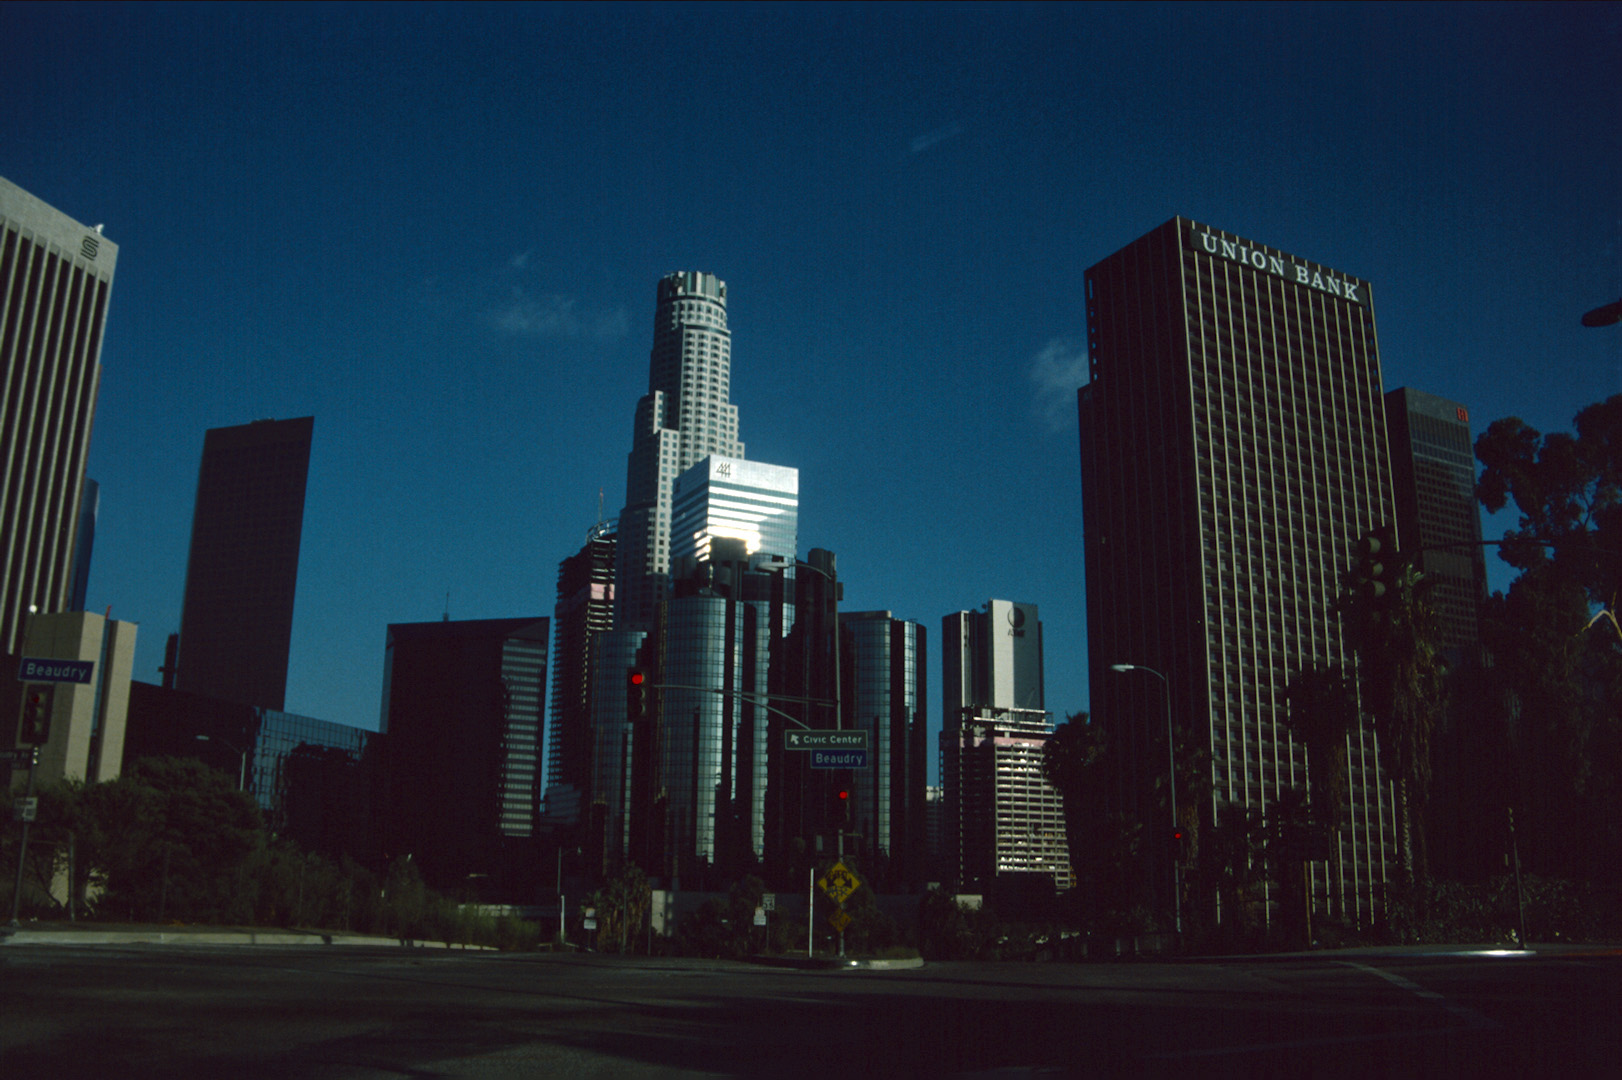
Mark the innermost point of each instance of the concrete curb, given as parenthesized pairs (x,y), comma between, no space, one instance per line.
(832,964)
(279,938)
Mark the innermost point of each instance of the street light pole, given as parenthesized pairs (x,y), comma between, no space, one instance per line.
(1171,780)
(242,767)
(831,573)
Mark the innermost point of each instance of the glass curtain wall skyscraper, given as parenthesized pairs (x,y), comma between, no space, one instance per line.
(714,648)
(55,279)
(585,608)
(755,503)
(684,417)
(888,700)
(1233,451)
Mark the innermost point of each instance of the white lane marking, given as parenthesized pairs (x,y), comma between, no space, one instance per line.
(1463,1012)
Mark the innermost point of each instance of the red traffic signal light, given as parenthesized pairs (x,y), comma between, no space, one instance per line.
(636,694)
(36,725)
(1179,844)
(842,807)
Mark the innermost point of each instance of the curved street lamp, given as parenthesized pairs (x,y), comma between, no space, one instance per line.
(1606,315)
(242,769)
(1171,778)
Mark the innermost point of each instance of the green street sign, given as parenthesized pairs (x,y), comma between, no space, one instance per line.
(794,739)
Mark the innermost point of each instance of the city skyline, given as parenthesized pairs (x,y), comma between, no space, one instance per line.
(398,221)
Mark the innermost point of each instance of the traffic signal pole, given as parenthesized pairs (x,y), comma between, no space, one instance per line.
(22,849)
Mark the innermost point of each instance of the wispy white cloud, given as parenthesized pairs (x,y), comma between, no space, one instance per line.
(939,135)
(1056,371)
(554,316)
(521,260)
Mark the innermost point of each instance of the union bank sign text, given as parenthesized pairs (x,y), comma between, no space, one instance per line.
(1277,264)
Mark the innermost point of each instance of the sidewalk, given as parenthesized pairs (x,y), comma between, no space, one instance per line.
(36,933)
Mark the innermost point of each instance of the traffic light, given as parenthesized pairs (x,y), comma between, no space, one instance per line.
(1370,570)
(1377,560)
(36,725)
(842,809)
(1179,845)
(636,695)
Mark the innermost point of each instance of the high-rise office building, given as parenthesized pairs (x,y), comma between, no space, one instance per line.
(1233,451)
(585,608)
(729,497)
(684,416)
(462,707)
(1433,472)
(888,702)
(711,659)
(236,626)
(1004,823)
(55,277)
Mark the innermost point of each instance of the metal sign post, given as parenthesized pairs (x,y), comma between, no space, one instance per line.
(22,848)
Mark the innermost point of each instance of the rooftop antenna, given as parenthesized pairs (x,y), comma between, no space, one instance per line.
(447,616)
(599,506)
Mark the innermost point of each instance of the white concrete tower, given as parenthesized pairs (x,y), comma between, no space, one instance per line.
(684,417)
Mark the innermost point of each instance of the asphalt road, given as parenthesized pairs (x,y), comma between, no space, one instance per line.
(248,1012)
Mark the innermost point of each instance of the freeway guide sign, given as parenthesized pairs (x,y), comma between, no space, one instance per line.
(825,740)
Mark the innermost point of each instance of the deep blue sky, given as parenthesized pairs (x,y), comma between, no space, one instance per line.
(438,230)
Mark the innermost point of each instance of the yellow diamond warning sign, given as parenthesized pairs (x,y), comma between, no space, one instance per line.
(839,883)
(839,920)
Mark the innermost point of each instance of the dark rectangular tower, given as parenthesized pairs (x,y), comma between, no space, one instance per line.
(1233,450)
(236,627)
(462,706)
(1433,471)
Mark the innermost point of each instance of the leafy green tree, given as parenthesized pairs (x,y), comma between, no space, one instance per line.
(1568,491)
(622,907)
(1232,870)
(167,840)
(1322,714)
(1073,761)
(1555,640)
(406,900)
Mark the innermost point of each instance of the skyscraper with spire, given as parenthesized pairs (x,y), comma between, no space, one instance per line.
(684,417)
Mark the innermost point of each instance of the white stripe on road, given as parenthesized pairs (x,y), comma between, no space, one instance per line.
(1463,1012)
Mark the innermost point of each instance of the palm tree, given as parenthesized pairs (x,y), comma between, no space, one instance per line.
(1322,713)
(1400,680)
